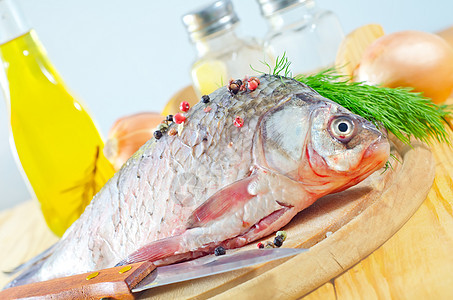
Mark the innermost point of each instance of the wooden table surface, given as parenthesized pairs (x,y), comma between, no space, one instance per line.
(416,263)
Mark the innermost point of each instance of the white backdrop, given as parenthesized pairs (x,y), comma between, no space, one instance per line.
(122,57)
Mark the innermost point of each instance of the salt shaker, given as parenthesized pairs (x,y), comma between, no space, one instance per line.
(221,54)
(310,36)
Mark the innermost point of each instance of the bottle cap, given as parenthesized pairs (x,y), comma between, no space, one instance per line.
(269,7)
(215,17)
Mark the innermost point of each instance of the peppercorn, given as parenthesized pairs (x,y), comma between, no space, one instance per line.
(234,86)
(238,122)
(172,132)
(157,134)
(282,234)
(184,106)
(254,79)
(260,245)
(278,241)
(269,244)
(169,118)
(179,118)
(163,127)
(219,251)
(205,99)
(253,85)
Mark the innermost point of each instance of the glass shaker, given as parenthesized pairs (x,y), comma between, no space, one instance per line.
(222,55)
(310,36)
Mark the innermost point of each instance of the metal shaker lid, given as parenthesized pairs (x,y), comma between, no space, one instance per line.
(210,19)
(269,7)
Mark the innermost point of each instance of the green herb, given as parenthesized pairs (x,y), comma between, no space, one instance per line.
(388,165)
(281,65)
(400,111)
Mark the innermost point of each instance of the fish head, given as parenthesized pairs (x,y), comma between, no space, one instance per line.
(343,146)
(321,144)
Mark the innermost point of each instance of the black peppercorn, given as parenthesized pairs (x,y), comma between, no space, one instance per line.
(170,118)
(234,86)
(219,251)
(278,241)
(157,134)
(205,99)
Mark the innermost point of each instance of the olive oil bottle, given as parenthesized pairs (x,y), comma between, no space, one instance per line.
(55,139)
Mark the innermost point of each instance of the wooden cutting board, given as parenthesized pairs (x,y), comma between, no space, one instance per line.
(339,229)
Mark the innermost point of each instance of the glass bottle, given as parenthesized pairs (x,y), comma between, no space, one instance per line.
(310,36)
(53,137)
(221,54)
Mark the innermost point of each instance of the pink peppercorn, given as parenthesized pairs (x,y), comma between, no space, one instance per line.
(184,106)
(253,85)
(179,118)
(238,122)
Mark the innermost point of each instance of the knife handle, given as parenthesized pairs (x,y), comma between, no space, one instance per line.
(111,283)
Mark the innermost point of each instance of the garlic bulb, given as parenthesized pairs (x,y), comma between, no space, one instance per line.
(128,134)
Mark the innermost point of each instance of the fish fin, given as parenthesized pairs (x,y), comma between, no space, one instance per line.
(28,264)
(264,227)
(221,202)
(154,251)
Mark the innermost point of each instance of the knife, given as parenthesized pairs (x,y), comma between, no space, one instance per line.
(122,282)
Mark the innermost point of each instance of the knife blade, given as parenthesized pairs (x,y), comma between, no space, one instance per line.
(211,265)
(121,282)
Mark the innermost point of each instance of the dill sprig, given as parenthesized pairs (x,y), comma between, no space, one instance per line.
(388,165)
(282,64)
(402,112)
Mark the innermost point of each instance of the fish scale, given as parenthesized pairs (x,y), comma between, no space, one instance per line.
(165,203)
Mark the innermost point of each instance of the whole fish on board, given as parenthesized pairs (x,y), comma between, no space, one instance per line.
(240,168)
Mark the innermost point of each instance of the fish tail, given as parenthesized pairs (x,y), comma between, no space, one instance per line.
(28,264)
(154,251)
(30,269)
(29,276)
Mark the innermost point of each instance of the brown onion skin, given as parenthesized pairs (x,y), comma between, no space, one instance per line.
(416,59)
(128,134)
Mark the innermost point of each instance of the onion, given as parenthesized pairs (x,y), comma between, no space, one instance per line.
(414,59)
(128,134)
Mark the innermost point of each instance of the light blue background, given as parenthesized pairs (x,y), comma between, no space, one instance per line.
(122,57)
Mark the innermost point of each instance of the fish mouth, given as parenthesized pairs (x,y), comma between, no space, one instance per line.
(374,158)
(378,151)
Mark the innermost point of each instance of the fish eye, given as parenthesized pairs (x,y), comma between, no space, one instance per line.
(342,128)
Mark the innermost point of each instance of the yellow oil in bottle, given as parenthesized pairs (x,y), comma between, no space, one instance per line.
(57,143)
(208,75)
